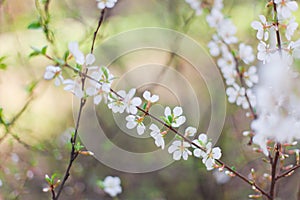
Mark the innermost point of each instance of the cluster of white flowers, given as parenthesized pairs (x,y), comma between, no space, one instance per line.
(228,62)
(98,86)
(278,93)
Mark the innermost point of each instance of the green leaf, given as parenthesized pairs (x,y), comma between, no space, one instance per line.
(34,25)
(66,55)
(105,72)
(170,118)
(3,66)
(144,106)
(78,146)
(100,184)
(2,58)
(44,50)
(37,51)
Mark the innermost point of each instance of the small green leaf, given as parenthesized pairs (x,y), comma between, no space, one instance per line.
(34,25)
(170,118)
(2,58)
(105,72)
(78,146)
(66,55)
(3,66)
(100,184)
(44,50)
(144,106)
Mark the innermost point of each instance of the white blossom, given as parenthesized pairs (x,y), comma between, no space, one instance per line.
(261,27)
(74,86)
(251,76)
(190,131)
(286,7)
(201,141)
(211,154)
(112,186)
(157,136)
(100,84)
(106,3)
(236,94)
(180,149)
(54,72)
(264,52)
(148,97)
(79,56)
(115,103)
(290,28)
(174,118)
(131,102)
(245,53)
(135,121)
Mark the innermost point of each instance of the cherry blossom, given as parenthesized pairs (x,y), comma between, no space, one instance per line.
(215,18)
(112,186)
(74,86)
(227,31)
(131,102)
(115,103)
(190,131)
(261,27)
(148,97)
(264,52)
(135,121)
(291,28)
(245,53)
(216,46)
(208,157)
(106,3)
(286,7)
(100,84)
(251,76)
(180,149)
(54,72)
(236,94)
(174,118)
(79,56)
(201,141)
(157,136)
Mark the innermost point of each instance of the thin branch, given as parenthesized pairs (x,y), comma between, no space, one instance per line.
(288,172)
(241,78)
(274,169)
(74,153)
(277,27)
(97,29)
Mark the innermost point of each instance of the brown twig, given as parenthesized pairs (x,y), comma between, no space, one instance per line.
(74,153)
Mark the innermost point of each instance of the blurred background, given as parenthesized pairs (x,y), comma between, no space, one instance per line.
(40,115)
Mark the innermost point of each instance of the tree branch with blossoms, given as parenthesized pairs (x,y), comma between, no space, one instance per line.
(96,82)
